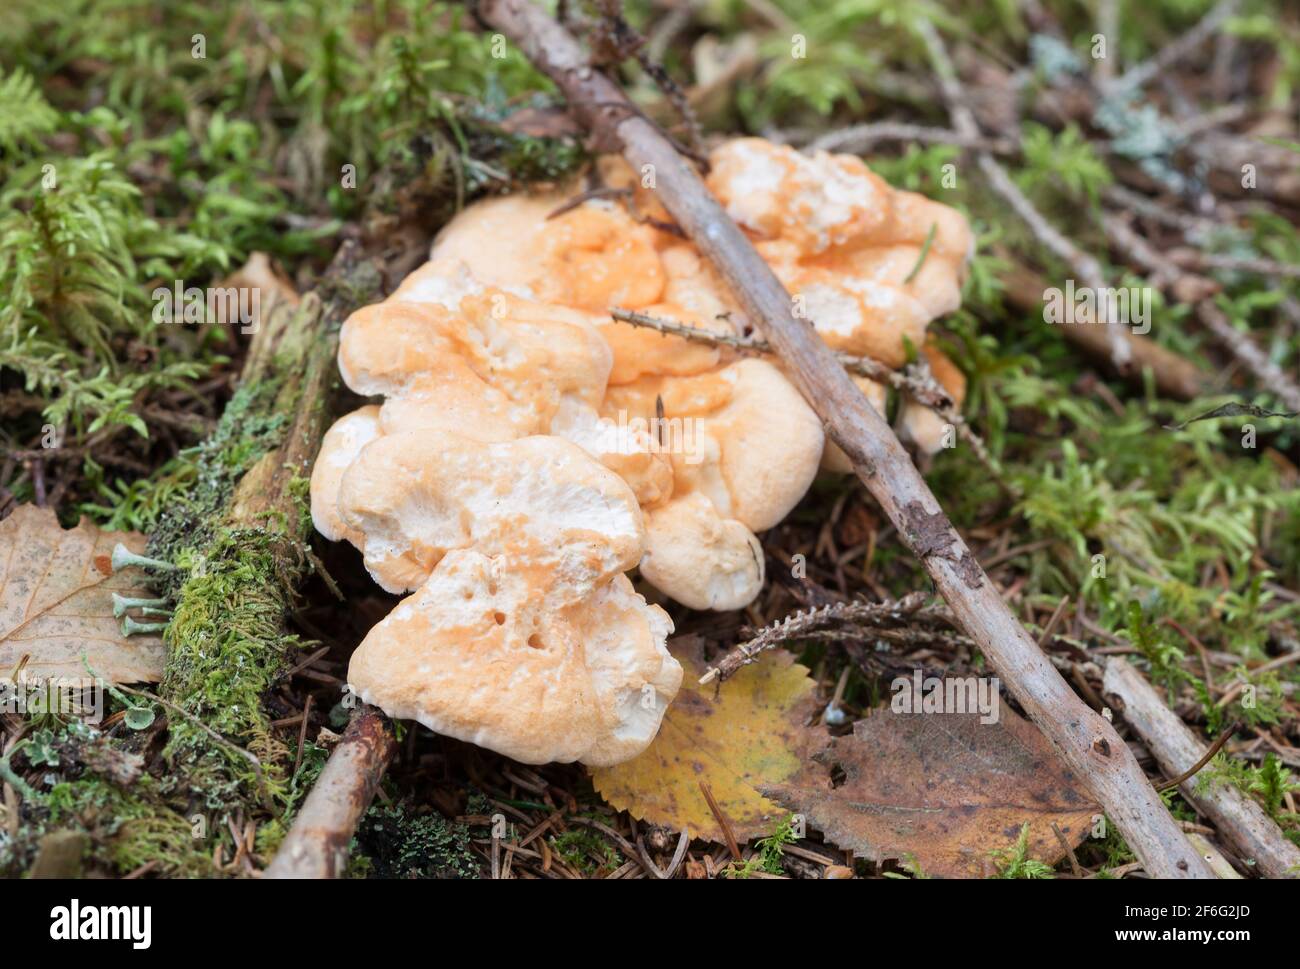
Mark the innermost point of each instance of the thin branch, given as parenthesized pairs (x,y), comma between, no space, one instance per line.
(1206,757)
(1242,264)
(861,138)
(1170,54)
(915,382)
(923,392)
(1083,264)
(802,624)
(1239,819)
(1167,275)
(317,844)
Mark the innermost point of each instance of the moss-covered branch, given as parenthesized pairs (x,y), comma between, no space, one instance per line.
(240,539)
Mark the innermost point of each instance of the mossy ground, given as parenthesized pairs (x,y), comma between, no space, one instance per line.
(170,166)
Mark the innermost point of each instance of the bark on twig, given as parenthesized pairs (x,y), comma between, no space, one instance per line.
(1086,741)
(1169,277)
(801,624)
(1175,747)
(1175,376)
(924,392)
(317,844)
(1100,331)
(1170,54)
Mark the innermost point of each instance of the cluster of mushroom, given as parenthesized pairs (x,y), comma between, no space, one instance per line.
(530,450)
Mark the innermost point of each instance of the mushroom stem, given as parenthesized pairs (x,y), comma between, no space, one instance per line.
(150,607)
(130,627)
(124,558)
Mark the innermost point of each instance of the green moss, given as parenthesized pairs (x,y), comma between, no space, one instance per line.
(398,842)
(250,427)
(226,649)
(130,828)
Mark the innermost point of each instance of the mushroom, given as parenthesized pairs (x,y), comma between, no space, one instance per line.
(529,451)
(338,449)
(869,265)
(714,448)
(523,634)
(413,497)
(745,447)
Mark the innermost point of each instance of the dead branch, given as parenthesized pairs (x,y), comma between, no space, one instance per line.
(1171,278)
(861,138)
(1170,54)
(1082,264)
(1086,741)
(1175,747)
(1174,376)
(317,844)
(804,623)
(915,381)
(925,392)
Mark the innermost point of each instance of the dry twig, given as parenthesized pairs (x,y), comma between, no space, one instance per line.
(1238,818)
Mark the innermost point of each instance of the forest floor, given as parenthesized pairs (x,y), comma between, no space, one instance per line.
(1145,512)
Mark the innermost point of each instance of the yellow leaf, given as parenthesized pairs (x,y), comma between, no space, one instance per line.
(749,732)
(56,588)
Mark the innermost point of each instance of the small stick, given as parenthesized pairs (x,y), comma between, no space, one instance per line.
(247,755)
(860,138)
(804,623)
(1051,623)
(317,844)
(917,382)
(1205,759)
(1238,818)
(723,823)
(1241,345)
(1171,53)
(1069,850)
(1084,265)
(302,733)
(927,392)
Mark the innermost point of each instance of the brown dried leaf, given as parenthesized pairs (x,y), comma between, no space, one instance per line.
(944,790)
(56,589)
(750,731)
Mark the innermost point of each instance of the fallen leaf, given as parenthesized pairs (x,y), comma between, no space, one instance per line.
(943,790)
(749,732)
(56,588)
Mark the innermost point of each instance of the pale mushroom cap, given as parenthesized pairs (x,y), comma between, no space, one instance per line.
(775,192)
(495,367)
(338,449)
(748,439)
(539,500)
(592,257)
(699,558)
(851,250)
(477,654)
